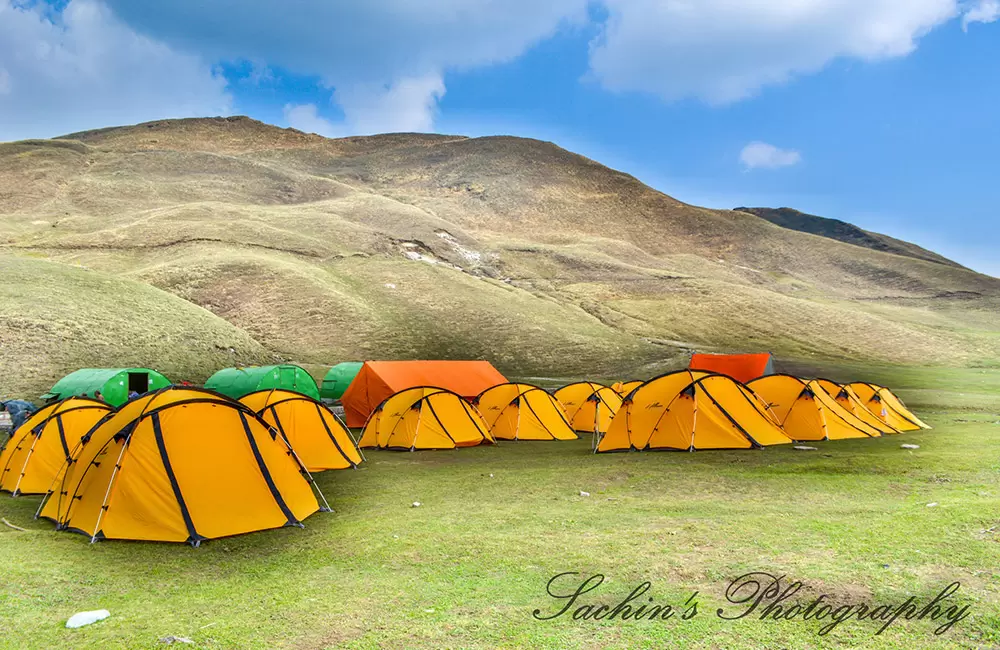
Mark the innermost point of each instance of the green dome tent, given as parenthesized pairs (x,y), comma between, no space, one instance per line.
(237,382)
(114,384)
(339,378)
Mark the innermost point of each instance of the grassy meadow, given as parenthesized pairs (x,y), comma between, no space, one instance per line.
(469,566)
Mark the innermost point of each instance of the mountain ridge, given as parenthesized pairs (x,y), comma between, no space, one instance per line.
(846,232)
(423,245)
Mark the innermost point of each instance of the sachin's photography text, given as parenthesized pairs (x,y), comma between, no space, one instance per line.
(759,595)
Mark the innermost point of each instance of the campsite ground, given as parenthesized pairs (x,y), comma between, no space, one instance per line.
(470,565)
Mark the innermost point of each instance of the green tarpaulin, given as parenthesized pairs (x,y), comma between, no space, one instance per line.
(114,384)
(339,378)
(237,382)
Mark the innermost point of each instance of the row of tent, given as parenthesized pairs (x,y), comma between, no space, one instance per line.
(177,464)
(359,386)
(185,464)
(686,410)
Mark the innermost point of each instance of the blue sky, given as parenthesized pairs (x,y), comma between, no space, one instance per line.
(878,112)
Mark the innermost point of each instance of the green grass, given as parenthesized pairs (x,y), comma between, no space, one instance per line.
(467,568)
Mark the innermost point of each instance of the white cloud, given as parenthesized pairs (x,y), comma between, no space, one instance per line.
(384,60)
(985,11)
(405,106)
(722,51)
(409,104)
(305,117)
(761,155)
(82,68)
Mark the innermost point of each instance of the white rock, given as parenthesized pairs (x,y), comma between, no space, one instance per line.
(584,494)
(86,618)
(390,285)
(169,640)
(804,448)
(416,504)
(932,505)
(908,446)
(429,611)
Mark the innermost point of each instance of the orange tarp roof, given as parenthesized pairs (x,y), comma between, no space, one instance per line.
(741,367)
(377,380)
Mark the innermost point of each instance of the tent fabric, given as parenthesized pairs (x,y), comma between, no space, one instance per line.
(850,401)
(310,428)
(691,410)
(589,406)
(237,382)
(34,454)
(623,388)
(181,465)
(338,378)
(741,367)
(112,383)
(806,411)
(523,412)
(887,407)
(378,380)
(425,417)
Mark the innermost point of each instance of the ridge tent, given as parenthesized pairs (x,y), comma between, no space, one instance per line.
(589,406)
(338,378)
(741,367)
(237,382)
(319,439)
(691,410)
(623,388)
(425,417)
(523,412)
(807,412)
(35,453)
(378,380)
(887,407)
(114,384)
(181,465)
(850,401)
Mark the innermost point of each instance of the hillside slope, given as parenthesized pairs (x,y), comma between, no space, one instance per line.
(409,245)
(845,232)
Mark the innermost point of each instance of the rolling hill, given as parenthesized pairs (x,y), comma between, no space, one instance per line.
(193,244)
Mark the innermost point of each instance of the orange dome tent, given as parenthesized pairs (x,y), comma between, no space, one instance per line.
(181,465)
(425,417)
(887,407)
(741,367)
(39,448)
(691,410)
(523,412)
(378,380)
(310,428)
(807,412)
(589,406)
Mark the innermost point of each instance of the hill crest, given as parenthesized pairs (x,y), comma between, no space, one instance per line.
(414,245)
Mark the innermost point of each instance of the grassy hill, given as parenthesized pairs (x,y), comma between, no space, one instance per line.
(227,233)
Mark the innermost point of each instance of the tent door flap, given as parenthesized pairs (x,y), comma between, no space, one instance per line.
(138,382)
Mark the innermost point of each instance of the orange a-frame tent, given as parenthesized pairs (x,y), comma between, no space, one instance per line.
(741,367)
(377,380)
